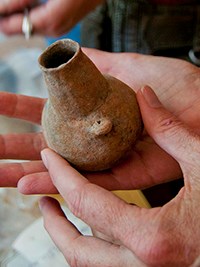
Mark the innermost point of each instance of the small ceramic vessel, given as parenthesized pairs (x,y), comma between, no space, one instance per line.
(91,119)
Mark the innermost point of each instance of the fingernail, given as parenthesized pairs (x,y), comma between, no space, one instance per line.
(44,158)
(150,97)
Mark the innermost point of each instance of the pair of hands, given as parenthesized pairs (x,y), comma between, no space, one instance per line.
(164,236)
(49,18)
(167,236)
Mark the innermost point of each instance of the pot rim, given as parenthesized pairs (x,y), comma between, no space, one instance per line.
(70,46)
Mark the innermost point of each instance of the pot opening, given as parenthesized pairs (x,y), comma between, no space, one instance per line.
(58,54)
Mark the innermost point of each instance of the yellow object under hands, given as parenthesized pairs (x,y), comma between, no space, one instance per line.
(133,197)
(130,196)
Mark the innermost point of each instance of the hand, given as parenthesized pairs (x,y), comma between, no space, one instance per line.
(52,18)
(175,82)
(146,157)
(164,236)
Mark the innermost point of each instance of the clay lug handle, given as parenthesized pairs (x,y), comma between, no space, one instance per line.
(101,127)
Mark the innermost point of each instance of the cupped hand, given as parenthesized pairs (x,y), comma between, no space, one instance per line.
(176,82)
(52,18)
(164,236)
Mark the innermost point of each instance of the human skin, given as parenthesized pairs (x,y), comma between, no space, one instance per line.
(52,18)
(175,82)
(164,236)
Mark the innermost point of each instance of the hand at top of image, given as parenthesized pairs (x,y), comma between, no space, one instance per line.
(49,18)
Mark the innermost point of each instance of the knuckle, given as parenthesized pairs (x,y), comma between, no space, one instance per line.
(75,255)
(76,200)
(169,125)
(73,260)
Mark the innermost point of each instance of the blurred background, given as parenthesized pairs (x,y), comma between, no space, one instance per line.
(19,73)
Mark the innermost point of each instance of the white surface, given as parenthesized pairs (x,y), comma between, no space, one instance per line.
(20,73)
(39,250)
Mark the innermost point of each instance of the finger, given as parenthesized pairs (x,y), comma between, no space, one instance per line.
(42,18)
(129,175)
(21,107)
(41,183)
(135,172)
(21,146)
(168,132)
(80,250)
(12,24)
(10,6)
(36,183)
(87,200)
(11,173)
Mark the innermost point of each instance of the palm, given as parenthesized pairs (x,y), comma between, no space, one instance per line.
(175,82)
(49,18)
(178,93)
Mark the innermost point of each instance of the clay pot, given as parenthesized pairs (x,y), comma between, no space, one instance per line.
(90,119)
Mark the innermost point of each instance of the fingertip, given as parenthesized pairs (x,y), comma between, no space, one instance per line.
(47,151)
(48,155)
(12,24)
(44,155)
(45,202)
(22,186)
(38,183)
(28,185)
(148,94)
(50,208)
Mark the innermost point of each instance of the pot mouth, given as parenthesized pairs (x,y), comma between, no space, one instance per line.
(58,54)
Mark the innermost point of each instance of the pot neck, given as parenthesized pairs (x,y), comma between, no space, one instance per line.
(74,83)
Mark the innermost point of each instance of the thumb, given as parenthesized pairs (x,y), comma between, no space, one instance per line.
(169,132)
